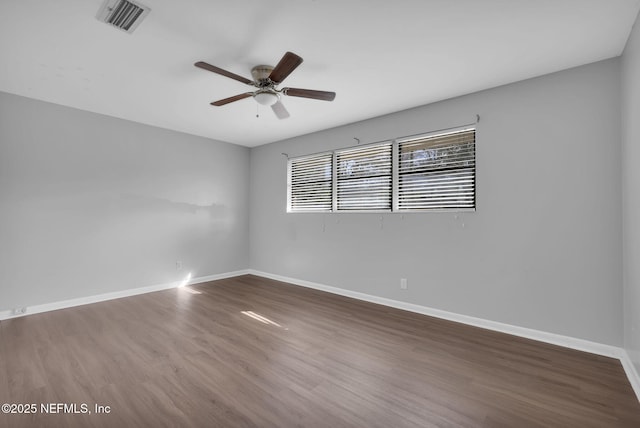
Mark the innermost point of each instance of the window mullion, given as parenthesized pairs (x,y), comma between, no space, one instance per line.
(289,185)
(395,163)
(334,182)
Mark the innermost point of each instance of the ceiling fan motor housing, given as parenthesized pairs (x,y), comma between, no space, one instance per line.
(260,74)
(267,94)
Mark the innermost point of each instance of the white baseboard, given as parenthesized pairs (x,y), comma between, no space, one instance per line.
(632,373)
(542,336)
(117,295)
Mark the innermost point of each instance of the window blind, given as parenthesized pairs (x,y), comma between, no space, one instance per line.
(364,177)
(437,172)
(310,183)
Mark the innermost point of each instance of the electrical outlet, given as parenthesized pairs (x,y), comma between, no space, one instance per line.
(178,264)
(19,311)
(403,284)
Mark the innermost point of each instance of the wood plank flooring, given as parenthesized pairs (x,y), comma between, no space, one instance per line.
(252,352)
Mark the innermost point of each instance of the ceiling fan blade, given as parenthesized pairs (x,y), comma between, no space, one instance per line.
(287,64)
(279,110)
(226,73)
(232,99)
(309,93)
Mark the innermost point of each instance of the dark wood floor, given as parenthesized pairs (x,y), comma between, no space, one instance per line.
(252,352)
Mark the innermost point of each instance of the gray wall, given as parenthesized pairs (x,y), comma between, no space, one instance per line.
(631,193)
(541,251)
(91,204)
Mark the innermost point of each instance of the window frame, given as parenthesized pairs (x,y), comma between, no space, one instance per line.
(440,133)
(290,208)
(395,176)
(336,167)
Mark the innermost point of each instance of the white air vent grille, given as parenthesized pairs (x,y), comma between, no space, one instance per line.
(122,14)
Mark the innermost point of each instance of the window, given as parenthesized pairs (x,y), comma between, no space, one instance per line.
(437,172)
(364,178)
(427,172)
(310,183)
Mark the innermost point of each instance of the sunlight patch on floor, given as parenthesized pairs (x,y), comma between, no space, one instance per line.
(261,318)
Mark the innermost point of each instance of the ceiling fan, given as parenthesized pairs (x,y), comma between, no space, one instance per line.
(267,78)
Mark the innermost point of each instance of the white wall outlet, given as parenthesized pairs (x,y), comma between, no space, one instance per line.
(19,311)
(178,264)
(403,284)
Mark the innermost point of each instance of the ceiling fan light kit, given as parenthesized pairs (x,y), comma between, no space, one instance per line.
(266,79)
(266,98)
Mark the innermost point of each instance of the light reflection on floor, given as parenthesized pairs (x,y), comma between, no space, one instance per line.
(261,318)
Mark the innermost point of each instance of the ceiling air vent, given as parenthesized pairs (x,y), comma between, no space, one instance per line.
(122,14)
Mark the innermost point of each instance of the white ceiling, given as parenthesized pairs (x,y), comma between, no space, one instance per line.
(378,56)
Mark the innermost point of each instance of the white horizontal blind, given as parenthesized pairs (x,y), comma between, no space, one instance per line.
(310,183)
(437,172)
(364,178)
